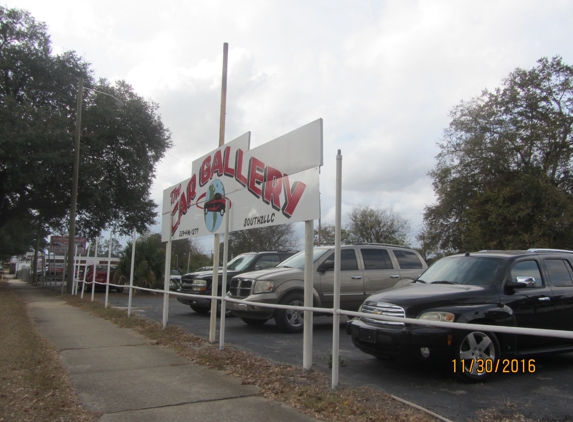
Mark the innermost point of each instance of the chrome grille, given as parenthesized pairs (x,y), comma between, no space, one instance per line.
(186,280)
(383,308)
(241,287)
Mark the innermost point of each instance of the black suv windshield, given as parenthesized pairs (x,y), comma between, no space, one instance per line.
(240,262)
(297,260)
(476,271)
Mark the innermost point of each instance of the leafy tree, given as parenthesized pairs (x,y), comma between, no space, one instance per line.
(103,247)
(186,251)
(504,177)
(428,245)
(119,146)
(149,262)
(20,235)
(372,225)
(327,235)
(271,238)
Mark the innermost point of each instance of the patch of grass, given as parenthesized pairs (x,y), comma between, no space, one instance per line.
(341,362)
(33,384)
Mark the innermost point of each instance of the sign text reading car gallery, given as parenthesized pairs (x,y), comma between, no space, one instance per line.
(275,183)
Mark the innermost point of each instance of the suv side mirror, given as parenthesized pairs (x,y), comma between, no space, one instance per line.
(325,266)
(521,282)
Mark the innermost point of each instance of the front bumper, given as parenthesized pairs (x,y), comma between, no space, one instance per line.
(399,341)
(251,311)
(203,303)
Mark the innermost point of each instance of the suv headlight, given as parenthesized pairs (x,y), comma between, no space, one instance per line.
(199,285)
(438,316)
(263,286)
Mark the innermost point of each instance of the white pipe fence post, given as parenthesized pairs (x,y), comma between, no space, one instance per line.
(167,273)
(85,273)
(95,268)
(214,290)
(131,273)
(336,305)
(224,284)
(308,296)
(108,270)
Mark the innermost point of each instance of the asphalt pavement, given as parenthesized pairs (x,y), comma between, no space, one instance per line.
(118,373)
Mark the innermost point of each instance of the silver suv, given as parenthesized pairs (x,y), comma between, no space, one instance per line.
(365,269)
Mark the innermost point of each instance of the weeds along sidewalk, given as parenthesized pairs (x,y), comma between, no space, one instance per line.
(34,384)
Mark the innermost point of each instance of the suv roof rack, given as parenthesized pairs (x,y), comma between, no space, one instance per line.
(548,250)
(382,244)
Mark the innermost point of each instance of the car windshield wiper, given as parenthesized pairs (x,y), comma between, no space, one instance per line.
(443,282)
(419,281)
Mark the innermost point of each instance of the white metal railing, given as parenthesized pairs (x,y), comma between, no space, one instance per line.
(413,321)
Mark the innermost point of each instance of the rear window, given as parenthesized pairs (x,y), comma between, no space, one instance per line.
(267,261)
(376,259)
(347,260)
(560,272)
(408,260)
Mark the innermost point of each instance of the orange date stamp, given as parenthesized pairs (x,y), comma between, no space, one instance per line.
(500,366)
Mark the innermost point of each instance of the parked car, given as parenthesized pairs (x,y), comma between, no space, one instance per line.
(200,282)
(174,278)
(365,269)
(532,288)
(100,277)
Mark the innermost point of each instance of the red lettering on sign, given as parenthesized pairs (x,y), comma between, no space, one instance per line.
(229,171)
(205,174)
(256,176)
(273,187)
(175,223)
(239,176)
(174,194)
(217,166)
(191,193)
(183,206)
(292,196)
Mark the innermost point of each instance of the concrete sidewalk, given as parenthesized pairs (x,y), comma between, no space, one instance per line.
(117,373)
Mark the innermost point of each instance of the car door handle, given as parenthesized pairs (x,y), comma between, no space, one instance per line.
(356,277)
(394,276)
(544,298)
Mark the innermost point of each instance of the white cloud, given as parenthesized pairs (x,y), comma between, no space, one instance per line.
(382,74)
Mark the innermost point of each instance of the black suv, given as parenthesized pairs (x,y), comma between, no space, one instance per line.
(532,288)
(200,282)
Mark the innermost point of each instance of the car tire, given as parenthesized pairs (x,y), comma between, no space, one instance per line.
(254,322)
(228,312)
(119,289)
(200,309)
(476,354)
(291,320)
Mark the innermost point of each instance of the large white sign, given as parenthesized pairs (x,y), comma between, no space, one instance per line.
(276,183)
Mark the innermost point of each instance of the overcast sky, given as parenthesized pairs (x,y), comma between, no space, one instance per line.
(383,75)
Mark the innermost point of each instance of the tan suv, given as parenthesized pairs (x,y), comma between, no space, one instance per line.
(365,269)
